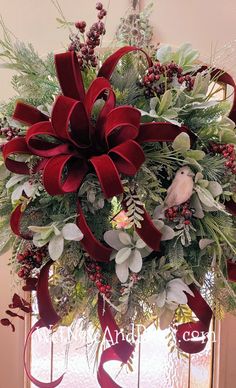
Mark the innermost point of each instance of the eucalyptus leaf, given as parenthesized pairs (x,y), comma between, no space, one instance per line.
(164,53)
(215,188)
(166,102)
(193,163)
(181,142)
(196,204)
(15,178)
(196,154)
(72,232)
(56,247)
(122,255)
(204,242)
(205,196)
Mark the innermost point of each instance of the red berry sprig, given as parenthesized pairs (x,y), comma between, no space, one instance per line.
(97,277)
(153,79)
(85,49)
(228,152)
(182,211)
(30,259)
(7,131)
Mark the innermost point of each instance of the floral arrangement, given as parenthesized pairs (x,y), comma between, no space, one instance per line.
(118,178)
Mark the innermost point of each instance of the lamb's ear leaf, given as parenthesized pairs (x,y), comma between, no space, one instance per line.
(196,154)
(72,232)
(181,142)
(215,188)
(56,247)
(166,102)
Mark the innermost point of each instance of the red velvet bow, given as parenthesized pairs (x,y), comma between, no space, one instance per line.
(74,143)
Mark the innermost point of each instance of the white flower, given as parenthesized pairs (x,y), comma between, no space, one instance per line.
(55,237)
(169,299)
(167,233)
(22,186)
(174,294)
(128,253)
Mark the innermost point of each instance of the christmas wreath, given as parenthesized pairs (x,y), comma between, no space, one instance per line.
(118,186)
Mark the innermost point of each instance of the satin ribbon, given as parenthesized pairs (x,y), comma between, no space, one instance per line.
(192,337)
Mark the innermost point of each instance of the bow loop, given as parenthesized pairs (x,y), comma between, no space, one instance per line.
(128,157)
(16,146)
(121,124)
(44,148)
(28,114)
(69,75)
(70,121)
(108,175)
(55,169)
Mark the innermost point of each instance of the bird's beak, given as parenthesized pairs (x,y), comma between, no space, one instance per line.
(191,174)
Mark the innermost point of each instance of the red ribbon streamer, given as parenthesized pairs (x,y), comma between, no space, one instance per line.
(48,317)
(231,271)
(15,221)
(121,350)
(192,337)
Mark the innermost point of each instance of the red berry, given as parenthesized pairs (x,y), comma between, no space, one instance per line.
(99,6)
(187,222)
(181,80)
(81,24)
(151,77)
(228,164)
(102,289)
(20,257)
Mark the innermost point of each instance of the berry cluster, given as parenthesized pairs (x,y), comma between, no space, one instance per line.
(95,275)
(182,211)
(7,131)
(228,152)
(30,259)
(85,49)
(154,79)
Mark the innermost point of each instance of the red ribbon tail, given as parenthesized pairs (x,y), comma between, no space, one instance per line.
(192,337)
(38,325)
(15,221)
(48,317)
(94,247)
(111,62)
(231,271)
(121,350)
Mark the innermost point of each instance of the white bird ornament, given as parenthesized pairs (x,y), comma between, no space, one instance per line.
(181,188)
